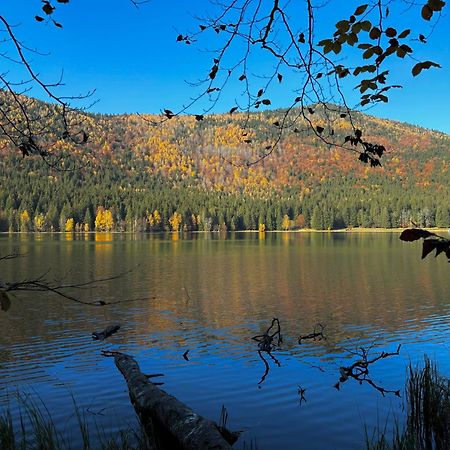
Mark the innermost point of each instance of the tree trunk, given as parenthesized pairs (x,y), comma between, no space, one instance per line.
(191,431)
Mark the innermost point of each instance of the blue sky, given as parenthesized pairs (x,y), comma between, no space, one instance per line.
(131,57)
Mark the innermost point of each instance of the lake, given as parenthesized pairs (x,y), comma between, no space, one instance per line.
(209,294)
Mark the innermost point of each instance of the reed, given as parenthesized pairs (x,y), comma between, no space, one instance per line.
(36,430)
(427,425)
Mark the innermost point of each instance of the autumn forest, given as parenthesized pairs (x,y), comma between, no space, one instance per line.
(197,173)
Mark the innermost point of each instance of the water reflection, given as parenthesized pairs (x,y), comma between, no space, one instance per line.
(211,295)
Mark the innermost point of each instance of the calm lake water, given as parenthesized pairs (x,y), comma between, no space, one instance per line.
(210,294)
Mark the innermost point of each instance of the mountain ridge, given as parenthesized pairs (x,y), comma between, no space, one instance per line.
(197,168)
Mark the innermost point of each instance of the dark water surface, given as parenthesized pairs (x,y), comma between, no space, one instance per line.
(211,294)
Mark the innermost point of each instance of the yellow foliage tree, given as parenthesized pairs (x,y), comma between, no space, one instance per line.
(86,227)
(39,222)
(24,220)
(154,219)
(262,227)
(175,221)
(69,225)
(104,219)
(286,224)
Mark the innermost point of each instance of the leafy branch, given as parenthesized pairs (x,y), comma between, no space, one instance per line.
(431,241)
(246,32)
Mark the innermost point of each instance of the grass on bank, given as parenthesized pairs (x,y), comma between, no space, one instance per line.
(37,431)
(427,426)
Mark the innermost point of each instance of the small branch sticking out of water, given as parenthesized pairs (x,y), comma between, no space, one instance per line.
(359,370)
(265,341)
(301,393)
(266,345)
(109,331)
(317,334)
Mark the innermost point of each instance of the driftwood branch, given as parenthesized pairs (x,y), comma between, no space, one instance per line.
(359,370)
(108,331)
(265,341)
(266,345)
(42,283)
(190,430)
(317,334)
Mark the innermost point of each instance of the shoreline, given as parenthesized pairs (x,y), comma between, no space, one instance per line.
(302,230)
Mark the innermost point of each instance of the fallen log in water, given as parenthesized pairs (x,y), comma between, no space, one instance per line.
(101,335)
(191,431)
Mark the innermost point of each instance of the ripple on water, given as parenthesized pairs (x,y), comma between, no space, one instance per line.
(235,289)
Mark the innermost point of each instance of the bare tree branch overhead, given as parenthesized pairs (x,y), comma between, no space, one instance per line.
(33,127)
(260,45)
(357,52)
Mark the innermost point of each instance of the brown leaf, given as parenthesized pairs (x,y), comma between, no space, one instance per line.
(48,8)
(427,12)
(413,234)
(5,302)
(442,246)
(213,72)
(360,10)
(428,246)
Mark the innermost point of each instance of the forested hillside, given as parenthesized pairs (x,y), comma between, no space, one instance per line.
(191,174)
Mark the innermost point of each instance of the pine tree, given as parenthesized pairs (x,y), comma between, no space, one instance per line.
(317,219)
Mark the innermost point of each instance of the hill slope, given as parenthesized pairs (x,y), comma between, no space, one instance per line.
(129,169)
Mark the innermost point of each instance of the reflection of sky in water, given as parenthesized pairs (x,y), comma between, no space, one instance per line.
(212,295)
